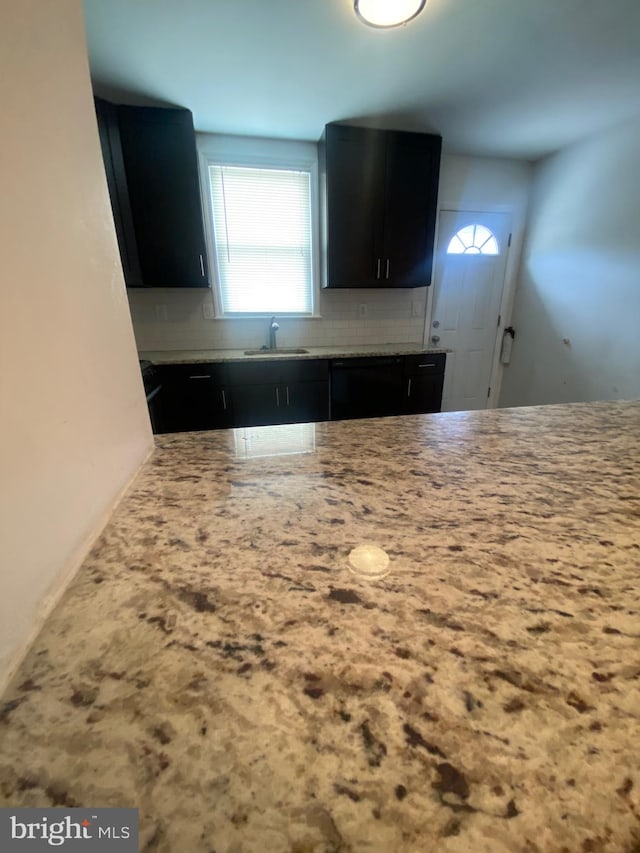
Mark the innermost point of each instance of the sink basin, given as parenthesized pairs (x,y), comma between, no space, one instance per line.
(279,351)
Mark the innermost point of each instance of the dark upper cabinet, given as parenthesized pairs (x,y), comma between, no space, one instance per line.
(152,170)
(351,171)
(379,196)
(109,131)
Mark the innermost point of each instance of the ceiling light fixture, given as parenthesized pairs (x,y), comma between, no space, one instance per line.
(388,13)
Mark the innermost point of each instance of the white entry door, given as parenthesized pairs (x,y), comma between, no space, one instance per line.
(470,267)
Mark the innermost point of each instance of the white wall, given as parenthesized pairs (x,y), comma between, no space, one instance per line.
(74,426)
(171,319)
(577,307)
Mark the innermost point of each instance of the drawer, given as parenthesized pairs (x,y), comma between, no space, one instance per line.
(201,372)
(424,363)
(276,371)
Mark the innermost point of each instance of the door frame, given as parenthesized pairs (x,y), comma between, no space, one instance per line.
(508,287)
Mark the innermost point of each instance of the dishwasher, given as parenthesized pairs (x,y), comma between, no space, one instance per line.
(368,387)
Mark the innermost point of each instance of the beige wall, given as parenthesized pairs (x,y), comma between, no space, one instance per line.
(73,419)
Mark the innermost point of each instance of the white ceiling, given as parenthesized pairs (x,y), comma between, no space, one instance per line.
(517,78)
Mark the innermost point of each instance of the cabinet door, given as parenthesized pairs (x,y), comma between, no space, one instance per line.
(107,115)
(353,167)
(288,403)
(256,405)
(192,398)
(159,151)
(411,188)
(423,394)
(424,378)
(275,391)
(304,402)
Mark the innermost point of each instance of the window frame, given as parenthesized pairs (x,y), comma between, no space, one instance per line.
(467,250)
(218,149)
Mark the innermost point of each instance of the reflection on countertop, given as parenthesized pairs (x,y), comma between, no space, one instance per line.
(279,440)
(217,664)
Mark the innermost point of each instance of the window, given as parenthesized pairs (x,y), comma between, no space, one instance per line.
(262,233)
(473,240)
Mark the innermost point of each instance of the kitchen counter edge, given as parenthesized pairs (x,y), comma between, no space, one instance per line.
(202,356)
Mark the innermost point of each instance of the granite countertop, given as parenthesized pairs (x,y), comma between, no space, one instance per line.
(216,355)
(217,664)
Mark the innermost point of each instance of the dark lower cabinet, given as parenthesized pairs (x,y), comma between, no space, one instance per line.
(423,382)
(279,392)
(241,394)
(244,394)
(287,403)
(255,405)
(192,397)
(307,401)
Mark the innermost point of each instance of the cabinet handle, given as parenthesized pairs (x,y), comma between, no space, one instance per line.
(387,272)
(428,364)
(378,271)
(224,399)
(409,389)
(277,398)
(201,266)
(287,390)
(200,376)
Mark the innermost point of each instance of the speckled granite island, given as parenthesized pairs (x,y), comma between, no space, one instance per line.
(218,664)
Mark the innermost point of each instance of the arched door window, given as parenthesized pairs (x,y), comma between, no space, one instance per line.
(473,240)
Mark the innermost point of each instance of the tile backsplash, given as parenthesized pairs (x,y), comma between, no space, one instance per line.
(171,319)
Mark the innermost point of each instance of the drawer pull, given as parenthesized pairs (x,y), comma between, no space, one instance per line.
(428,364)
(200,376)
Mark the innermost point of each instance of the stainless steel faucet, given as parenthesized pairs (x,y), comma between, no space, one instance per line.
(273,328)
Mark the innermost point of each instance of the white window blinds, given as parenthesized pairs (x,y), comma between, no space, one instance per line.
(262,232)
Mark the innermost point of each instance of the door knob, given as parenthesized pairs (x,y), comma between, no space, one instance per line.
(435,339)
(436,324)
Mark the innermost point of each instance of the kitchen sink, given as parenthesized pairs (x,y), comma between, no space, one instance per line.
(278,351)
